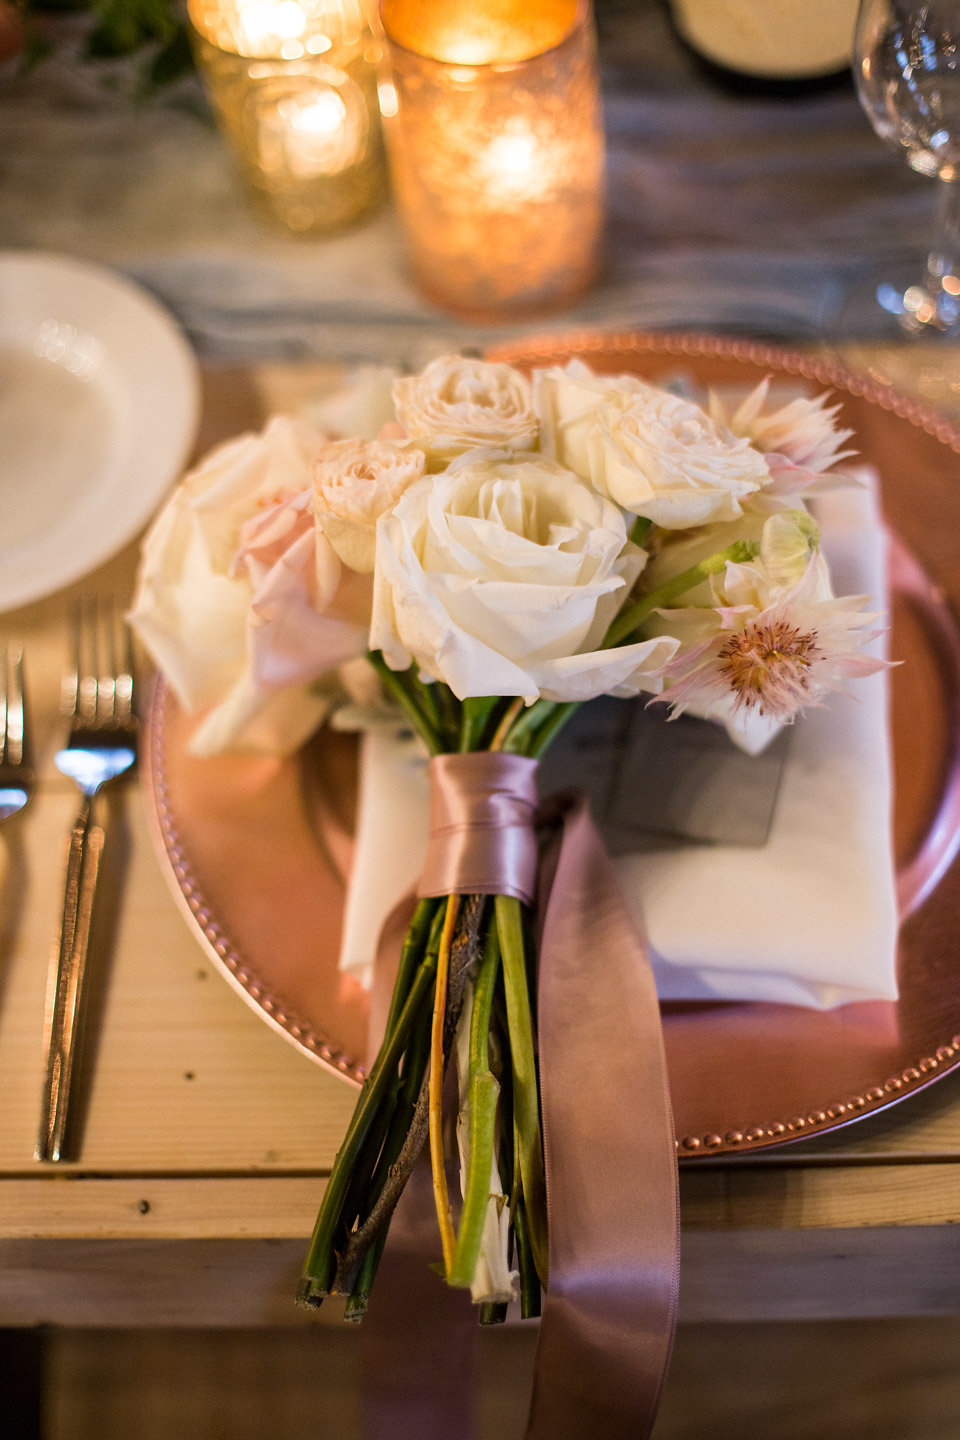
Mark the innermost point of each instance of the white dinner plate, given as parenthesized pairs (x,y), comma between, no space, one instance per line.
(99,402)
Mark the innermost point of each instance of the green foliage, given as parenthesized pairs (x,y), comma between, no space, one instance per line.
(155,30)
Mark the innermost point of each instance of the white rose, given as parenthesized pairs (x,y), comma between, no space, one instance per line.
(653,453)
(357,481)
(502,576)
(665,459)
(241,601)
(567,399)
(457,404)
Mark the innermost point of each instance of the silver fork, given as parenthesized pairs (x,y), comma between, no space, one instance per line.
(17,779)
(97,693)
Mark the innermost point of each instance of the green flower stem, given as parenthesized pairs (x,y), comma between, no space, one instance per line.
(320,1264)
(475,714)
(633,617)
(529,1280)
(526,1100)
(424,930)
(506,723)
(426,698)
(493,1312)
(359,1297)
(640,529)
(439,1049)
(555,723)
(450,715)
(392,680)
(415,1061)
(526,725)
(421,941)
(483,1093)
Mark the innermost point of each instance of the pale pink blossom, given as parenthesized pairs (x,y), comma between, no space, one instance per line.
(804,431)
(774,661)
(242,601)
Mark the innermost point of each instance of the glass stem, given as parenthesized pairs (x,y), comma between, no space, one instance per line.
(942,285)
(945,256)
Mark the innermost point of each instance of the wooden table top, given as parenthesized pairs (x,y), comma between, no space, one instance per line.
(206,1136)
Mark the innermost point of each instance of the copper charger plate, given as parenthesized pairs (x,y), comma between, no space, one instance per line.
(256,849)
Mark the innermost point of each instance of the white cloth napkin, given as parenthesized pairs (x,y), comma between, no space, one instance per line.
(808,919)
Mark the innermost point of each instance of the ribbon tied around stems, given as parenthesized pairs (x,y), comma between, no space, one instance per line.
(609,1314)
(482,838)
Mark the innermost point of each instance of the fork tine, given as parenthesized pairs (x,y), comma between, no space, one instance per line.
(98,686)
(106,665)
(124,666)
(12,720)
(70,677)
(84,681)
(14,726)
(3,705)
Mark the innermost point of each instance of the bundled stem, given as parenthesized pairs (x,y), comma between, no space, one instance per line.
(400,1103)
(319,1267)
(528,1154)
(440,1194)
(483,1094)
(337,1251)
(631,618)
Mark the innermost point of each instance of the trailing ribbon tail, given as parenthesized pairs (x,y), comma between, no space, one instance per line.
(609,1316)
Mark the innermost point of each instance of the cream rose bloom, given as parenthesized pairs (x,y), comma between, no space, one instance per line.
(241,601)
(653,453)
(458,404)
(357,481)
(567,399)
(501,577)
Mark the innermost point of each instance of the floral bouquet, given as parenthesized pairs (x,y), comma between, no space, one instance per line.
(494,551)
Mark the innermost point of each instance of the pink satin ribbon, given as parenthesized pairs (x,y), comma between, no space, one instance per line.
(612,1197)
(482,840)
(610,1311)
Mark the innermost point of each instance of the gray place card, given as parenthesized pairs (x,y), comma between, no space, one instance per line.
(654,782)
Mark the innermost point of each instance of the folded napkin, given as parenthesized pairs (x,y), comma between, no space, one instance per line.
(809,918)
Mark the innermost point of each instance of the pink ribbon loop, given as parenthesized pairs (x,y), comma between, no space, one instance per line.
(482,840)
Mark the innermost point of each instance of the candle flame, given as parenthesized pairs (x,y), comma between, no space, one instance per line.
(517,166)
(319,118)
(266,21)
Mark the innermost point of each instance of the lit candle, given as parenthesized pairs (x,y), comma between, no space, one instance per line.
(295,85)
(495,142)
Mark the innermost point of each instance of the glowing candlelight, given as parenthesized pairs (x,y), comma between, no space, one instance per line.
(295,86)
(496,148)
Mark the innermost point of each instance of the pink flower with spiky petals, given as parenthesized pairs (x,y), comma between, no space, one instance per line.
(775,661)
(804,430)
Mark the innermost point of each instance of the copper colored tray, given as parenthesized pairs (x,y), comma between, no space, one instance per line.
(256,849)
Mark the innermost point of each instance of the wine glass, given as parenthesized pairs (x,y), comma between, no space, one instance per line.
(906,65)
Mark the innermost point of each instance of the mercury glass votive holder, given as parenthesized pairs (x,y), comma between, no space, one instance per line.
(294,86)
(496,148)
